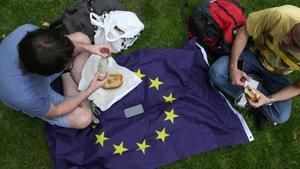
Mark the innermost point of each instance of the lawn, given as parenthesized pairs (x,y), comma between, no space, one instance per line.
(22,142)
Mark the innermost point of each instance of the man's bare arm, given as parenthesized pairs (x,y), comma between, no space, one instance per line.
(70,104)
(238,46)
(288,92)
(285,93)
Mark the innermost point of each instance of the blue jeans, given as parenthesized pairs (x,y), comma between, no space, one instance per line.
(280,111)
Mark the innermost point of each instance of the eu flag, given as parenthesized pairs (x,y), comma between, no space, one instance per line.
(184,115)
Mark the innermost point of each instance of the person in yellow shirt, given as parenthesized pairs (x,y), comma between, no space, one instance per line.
(269,45)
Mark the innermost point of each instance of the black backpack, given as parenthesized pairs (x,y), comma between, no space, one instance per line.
(214,25)
(76,18)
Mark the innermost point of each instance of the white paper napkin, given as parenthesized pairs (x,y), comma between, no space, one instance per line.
(104,99)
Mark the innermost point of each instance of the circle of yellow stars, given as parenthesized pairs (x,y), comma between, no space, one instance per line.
(161,134)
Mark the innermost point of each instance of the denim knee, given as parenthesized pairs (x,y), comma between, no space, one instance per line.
(218,72)
(285,111)
(213,74)
(281,119)
(281,114)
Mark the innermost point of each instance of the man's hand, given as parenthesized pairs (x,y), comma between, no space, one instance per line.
(261,101)
(96,83)
(238,77)
(102,50)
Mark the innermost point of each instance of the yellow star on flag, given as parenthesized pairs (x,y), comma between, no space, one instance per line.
(162,135)
(155,83)
(139,74)
(101,138)
(170,115)
(120,149)
(142,146)
(169,98)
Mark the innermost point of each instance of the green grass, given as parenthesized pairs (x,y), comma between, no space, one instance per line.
(22,142)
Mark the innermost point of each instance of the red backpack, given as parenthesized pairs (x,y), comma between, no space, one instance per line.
(214,24)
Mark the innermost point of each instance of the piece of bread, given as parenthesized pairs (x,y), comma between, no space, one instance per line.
(251,94)
(114,81)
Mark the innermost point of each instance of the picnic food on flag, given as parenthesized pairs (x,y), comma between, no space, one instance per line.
(102,67)
(114,81)
(251,94)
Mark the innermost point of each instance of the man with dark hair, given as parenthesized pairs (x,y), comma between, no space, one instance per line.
(45,52)
(273,55)
(31,58)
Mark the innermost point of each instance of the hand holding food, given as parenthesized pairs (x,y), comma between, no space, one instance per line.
(251,94)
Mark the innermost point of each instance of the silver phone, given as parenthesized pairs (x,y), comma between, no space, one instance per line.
(134,110)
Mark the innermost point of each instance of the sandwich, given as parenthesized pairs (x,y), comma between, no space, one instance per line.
(251,94)
(114,81)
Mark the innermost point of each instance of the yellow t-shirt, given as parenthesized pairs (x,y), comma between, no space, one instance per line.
(273,24)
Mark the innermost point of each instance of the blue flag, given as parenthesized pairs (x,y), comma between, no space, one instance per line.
(184,115)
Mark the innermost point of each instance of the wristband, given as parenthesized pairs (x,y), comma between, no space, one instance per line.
(271,100)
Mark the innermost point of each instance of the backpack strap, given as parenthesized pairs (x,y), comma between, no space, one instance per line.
(283,56)
(204,8)
(227,12)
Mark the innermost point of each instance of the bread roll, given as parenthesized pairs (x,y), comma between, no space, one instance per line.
(114,81)
(251,94)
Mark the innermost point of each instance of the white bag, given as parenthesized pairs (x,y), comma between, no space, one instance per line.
(117,29)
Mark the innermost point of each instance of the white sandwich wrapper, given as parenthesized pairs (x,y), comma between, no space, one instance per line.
(104,99)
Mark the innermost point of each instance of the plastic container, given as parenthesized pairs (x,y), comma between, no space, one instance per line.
(102,67)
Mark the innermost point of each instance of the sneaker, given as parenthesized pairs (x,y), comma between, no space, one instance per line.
(95,119)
